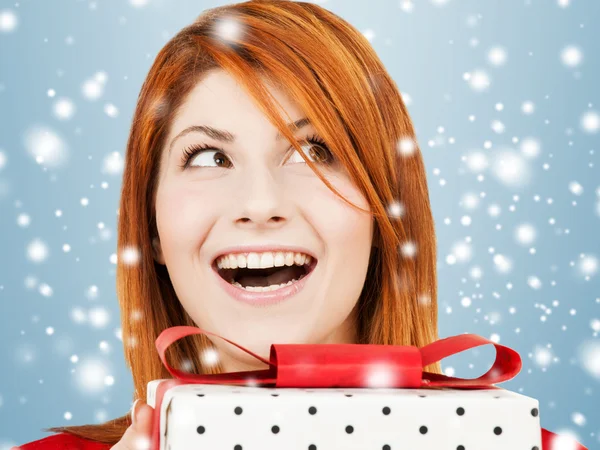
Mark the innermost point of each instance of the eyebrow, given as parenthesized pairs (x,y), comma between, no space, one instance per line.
(226,136)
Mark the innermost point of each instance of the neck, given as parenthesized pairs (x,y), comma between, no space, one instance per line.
(346,333)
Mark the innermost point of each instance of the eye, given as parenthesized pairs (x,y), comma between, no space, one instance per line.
(317,151)
(207,155)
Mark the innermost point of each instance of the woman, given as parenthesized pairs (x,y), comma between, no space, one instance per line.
(269,135)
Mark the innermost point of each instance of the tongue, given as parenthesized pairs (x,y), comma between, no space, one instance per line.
(283,275)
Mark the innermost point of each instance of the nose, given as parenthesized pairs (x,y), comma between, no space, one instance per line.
(261,202)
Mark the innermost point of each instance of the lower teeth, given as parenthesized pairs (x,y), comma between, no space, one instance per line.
(273,287)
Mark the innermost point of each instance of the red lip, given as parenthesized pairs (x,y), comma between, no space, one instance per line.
(264,298)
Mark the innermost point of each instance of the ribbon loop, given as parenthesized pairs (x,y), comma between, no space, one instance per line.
(172,334)
(506,365)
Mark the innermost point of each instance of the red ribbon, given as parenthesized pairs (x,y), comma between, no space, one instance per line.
(348,366)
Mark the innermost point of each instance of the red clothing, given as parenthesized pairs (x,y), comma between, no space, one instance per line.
(66,441)
(63,441)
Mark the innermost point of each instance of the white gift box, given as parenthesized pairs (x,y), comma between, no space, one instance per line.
(228,417)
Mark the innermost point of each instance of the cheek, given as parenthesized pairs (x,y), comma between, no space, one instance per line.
(338,223)
(185,215)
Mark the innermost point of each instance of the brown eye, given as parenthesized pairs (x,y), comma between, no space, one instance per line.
(317,152)
(208,157)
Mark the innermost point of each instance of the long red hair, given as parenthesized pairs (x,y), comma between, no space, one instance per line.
(334,74)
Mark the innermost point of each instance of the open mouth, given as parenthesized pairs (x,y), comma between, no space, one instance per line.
(265,278)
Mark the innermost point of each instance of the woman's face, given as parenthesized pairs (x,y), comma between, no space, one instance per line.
(257,191)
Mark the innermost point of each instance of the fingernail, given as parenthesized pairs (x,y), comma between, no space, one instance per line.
(133,411)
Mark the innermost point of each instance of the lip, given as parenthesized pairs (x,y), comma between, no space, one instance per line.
(264,298)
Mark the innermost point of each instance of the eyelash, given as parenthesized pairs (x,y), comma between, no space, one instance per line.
(193,150)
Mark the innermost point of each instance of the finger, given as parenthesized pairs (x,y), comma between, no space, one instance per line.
(132,440)
(138,435)
(132,412)
(143,419)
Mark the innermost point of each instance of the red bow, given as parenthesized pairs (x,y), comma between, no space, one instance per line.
(348,365)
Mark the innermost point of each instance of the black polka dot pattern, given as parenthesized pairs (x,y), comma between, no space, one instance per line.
(351,421)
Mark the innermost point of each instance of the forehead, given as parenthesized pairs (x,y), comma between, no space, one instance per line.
(218,100)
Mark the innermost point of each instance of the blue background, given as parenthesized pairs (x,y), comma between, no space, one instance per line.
(61,350)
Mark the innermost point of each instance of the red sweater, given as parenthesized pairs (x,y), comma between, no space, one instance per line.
(66,441)
(63,441)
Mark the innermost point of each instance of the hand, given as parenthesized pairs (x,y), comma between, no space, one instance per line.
(138,435)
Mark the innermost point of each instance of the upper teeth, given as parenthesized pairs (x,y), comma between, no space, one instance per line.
(262,260)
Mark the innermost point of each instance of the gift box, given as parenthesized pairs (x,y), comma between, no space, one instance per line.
(222,417)
(346,396)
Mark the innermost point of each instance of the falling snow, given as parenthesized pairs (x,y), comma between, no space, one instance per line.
(8,21)
(590,122)
(479,80)
(93,88)
(530,147)
(571,56)
(46,146)
(113,163)
(497,56)
(64,109)
(508,128)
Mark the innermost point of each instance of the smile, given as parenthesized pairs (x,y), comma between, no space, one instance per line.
(263,278)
